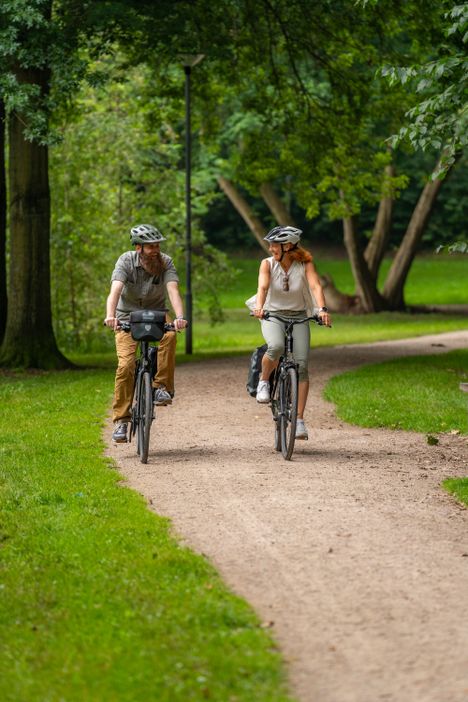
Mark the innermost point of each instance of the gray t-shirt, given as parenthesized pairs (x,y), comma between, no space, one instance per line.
(141,290)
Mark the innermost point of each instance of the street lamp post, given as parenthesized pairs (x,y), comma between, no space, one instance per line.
(189,61)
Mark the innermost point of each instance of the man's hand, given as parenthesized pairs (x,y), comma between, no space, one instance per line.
(180,323)
(112,323)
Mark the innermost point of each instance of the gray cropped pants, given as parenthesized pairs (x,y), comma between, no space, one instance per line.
(273,333)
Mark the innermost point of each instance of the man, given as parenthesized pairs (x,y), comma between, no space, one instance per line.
(140,280)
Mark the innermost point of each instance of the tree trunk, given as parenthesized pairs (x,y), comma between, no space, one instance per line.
(245,211)
(29,338)
(366,288)
(3,280)
(396,278)
(276,205)
(378,243)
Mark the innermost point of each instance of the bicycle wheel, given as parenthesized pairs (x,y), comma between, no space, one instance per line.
(288,406)
(134,409)
(145,416)
(275,410)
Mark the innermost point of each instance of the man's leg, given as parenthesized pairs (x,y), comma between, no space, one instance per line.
(124,376)
(166,362)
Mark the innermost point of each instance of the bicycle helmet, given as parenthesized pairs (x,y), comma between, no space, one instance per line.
(145,234)
(284,235)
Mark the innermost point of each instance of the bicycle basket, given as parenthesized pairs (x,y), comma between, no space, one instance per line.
(147,325)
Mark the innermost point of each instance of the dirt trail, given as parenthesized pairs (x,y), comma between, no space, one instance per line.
(352,551)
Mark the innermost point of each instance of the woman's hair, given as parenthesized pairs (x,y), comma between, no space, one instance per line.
(300,254)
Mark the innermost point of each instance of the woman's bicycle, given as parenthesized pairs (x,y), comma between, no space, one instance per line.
(284,388)
(142,412)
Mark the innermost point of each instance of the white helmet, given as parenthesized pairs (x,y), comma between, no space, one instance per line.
(145,234)
(284,235)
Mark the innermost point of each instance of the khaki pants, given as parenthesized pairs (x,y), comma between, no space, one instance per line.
(124,376)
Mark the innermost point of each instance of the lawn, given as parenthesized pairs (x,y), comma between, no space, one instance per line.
(98,600)
(433,279)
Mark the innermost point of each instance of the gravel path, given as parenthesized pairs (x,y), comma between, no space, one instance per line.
(352,552)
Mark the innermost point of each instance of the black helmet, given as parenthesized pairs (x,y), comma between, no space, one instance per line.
(145,234)
(284,235)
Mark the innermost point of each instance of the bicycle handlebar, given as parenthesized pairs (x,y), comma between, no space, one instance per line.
(126,326)
(314,318)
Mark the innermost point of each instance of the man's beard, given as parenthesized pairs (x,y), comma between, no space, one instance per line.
(152,264)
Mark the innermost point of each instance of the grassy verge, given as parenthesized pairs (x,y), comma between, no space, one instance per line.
(418,394)
(433,279)
(98,601)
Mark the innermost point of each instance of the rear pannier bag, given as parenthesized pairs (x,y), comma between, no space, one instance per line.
(255,369)
(147,325)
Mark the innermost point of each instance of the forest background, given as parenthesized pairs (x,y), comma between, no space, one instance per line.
(345,118)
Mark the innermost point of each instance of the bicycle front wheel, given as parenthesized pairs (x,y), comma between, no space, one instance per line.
(276,411)
(145,416)
(288,408)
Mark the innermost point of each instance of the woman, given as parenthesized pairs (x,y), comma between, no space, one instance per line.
(285,283)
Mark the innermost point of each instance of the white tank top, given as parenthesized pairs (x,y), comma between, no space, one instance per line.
(297,298)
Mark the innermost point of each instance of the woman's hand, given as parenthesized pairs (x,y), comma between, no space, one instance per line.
(258,312)
(326,319)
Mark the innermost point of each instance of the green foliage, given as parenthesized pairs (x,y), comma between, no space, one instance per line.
(418,394)
(98,600)
(439,119)
(119,163)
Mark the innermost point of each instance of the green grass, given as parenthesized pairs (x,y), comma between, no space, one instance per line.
(419,393)
(433,279)
(97,600)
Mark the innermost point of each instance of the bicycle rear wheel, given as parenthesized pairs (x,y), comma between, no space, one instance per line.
(145,417)
(288,407)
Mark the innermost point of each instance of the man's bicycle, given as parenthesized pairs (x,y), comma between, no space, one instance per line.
(150,328)
(284,388)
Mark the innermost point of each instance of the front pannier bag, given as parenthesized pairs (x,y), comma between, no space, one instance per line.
(147,325)
(255,369)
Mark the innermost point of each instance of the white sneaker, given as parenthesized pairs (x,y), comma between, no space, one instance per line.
(301,430)
(263,391)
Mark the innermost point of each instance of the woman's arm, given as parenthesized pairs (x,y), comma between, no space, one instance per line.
(263,285)
(317,290)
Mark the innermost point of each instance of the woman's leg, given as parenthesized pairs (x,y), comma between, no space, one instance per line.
(301,336)
(273,333)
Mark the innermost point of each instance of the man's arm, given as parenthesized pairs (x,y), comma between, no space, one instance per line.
(176,304)
(111,305)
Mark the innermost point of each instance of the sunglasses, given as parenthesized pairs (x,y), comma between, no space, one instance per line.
(286,283)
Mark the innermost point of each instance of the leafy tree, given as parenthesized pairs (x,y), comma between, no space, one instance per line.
(103,181)
(321,89)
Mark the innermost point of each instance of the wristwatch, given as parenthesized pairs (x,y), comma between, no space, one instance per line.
(323,309)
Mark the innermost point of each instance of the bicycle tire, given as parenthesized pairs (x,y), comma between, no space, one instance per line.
(145,416)
(275,409)
(134,407)
(288,407)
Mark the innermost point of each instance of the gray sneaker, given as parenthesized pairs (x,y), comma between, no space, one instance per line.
(161,397)
(119,435)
